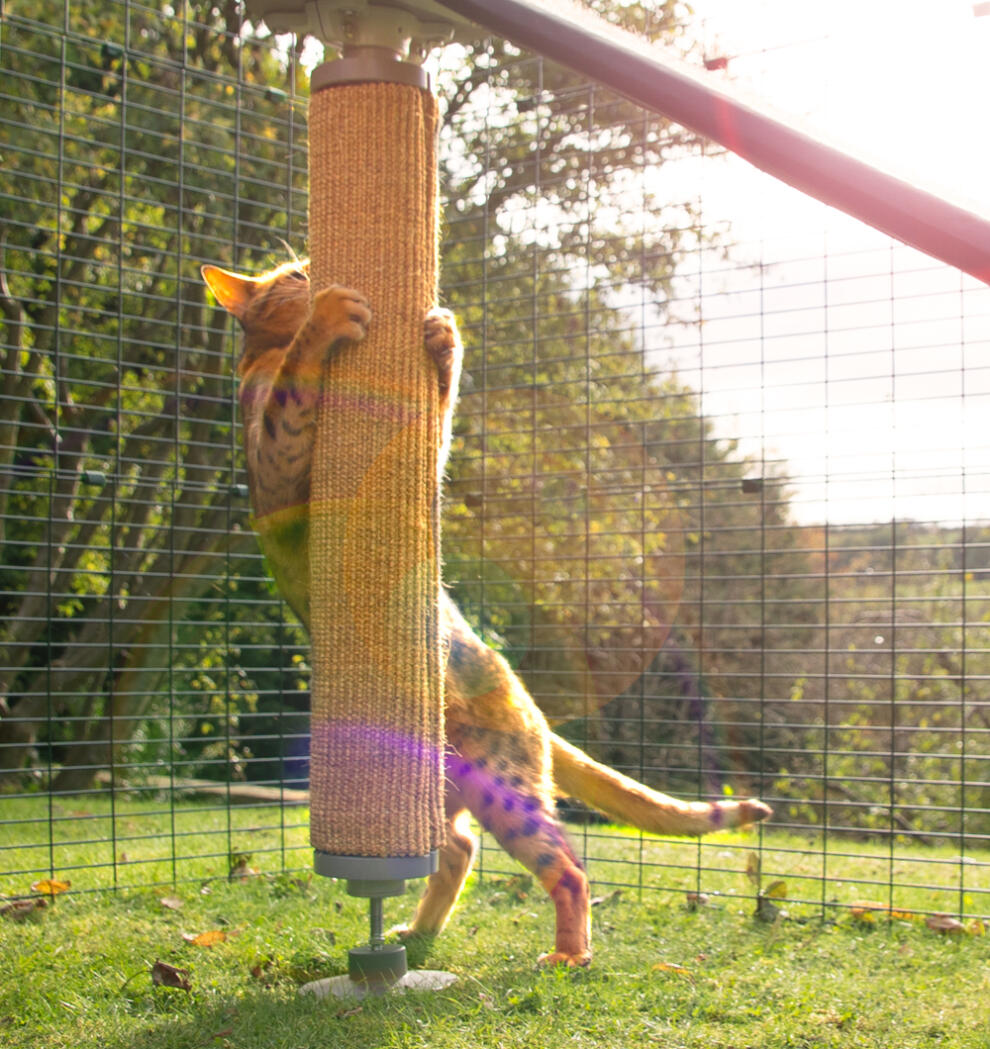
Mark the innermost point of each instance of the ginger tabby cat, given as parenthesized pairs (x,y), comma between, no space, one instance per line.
(503,763)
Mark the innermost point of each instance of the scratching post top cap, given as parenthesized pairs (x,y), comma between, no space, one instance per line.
(409,28)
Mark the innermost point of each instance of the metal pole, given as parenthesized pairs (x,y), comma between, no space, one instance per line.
(644,74)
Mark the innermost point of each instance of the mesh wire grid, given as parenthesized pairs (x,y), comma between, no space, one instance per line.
(717,491)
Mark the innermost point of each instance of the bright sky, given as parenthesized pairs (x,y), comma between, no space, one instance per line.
(907,80)
(896,419)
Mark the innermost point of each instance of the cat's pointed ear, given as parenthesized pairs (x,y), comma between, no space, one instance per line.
(232,290)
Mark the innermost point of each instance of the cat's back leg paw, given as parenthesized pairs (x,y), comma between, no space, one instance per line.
(580,960)
(442,343)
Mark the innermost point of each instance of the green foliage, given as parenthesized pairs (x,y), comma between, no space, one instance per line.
(136,162)
(900,725)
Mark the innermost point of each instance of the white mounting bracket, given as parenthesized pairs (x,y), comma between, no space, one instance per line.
(408,29)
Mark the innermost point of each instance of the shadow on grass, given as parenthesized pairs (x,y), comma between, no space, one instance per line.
(280,1017)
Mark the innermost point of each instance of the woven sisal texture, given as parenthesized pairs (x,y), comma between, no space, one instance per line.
(376,778)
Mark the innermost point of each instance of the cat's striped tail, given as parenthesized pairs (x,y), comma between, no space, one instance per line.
(578,776)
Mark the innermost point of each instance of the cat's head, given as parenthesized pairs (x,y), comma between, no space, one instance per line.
(270,307)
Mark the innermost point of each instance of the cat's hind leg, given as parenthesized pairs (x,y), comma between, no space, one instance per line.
(538,842)
(445,884)
(504,779)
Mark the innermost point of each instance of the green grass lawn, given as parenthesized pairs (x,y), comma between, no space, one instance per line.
(78,972)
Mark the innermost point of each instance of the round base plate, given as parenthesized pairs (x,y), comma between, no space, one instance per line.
(345,987)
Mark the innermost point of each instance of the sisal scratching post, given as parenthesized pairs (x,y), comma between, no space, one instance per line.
(377,736)
(376,766)
(377,746)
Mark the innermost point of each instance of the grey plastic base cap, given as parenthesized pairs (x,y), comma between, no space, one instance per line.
(372,64)
(374,868)
(385,963)
(345,987)
(372,890)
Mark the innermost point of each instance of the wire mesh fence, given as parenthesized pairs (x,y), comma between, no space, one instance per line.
(718,488)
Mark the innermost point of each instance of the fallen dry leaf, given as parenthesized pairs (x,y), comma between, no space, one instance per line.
(516,885)
(671,967)
(944,923)
(50,887)
(165,975)
(776,890)
(867,911)
(18,910)
(205,939)
(766,907)
(753,867)
(173,903)
(241,870)
(611,897)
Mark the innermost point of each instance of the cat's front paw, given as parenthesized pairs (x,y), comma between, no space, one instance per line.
(443,344)
(344,314)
